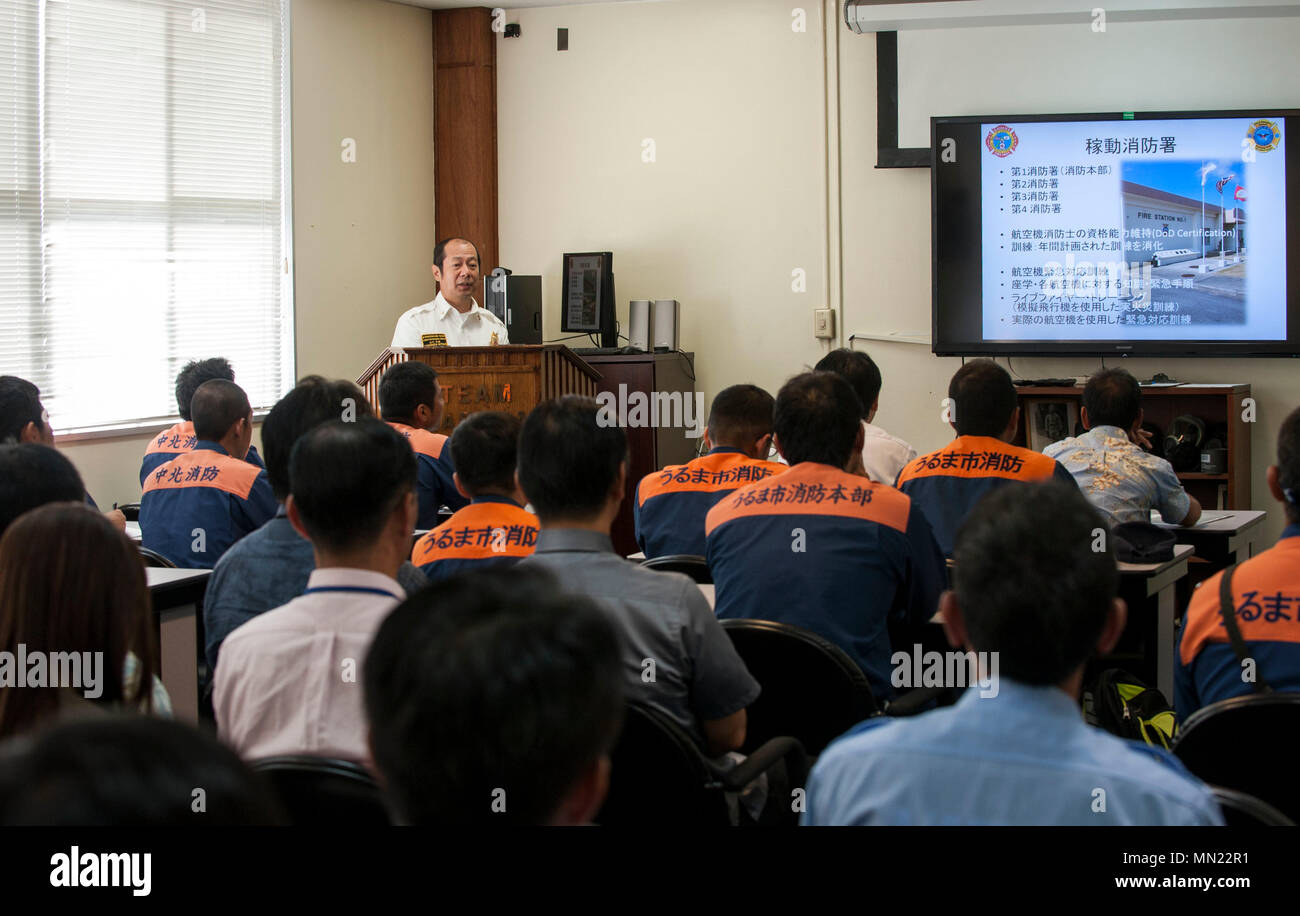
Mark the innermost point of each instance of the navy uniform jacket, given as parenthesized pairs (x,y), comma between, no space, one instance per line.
(828,551)
(671,504)
(197,505)
(490,531)
(174,440)
(948,483)
(434,486)
(1266,599)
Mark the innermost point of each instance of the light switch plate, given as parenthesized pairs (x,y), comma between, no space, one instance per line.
(824,323)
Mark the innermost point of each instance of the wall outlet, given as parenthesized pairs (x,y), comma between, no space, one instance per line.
(824,323)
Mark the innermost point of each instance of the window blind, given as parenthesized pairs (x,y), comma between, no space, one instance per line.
(143,205)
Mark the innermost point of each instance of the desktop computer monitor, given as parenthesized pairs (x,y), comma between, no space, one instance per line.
(587,296)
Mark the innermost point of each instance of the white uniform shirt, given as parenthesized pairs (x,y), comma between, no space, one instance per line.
(289,680)
(883,455)
(476,328)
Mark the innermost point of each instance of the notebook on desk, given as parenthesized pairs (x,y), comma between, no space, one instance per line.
(1205,519)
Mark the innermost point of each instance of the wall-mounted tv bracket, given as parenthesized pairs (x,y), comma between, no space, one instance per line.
(888,153)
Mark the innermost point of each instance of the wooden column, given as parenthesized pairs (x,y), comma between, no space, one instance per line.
(465,129)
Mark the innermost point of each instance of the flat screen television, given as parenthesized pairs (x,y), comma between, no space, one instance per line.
(1141,234)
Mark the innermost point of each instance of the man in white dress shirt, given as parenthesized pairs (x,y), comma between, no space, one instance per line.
(453,318)
(289,680)
(883,455)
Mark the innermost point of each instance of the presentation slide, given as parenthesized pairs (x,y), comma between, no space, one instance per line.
(1134,230)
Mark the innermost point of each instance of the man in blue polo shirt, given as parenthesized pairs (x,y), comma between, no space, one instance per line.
(820,548)
(949,482)
(1031,592)
(412,402)
(494,529)
(1265,599)
(671,504)
(180,437)
(197,505)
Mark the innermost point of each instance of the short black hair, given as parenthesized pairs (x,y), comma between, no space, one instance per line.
(493,682)
(126,770)
(194,374)
(347,479)
(817,419)
(217,406)
(569,456)
(1034,574)
(440,251)
(982,399)
(406,386)
(740,415)
(313,401)
(20,404)
(484,448)
(858,369)
(1288,462)
(32,475)
(1113,397)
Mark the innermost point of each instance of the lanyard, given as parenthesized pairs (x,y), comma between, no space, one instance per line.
(350,588)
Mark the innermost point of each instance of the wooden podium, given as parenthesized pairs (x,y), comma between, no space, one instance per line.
(514,379)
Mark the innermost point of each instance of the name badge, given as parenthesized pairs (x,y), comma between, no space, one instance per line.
(433,340)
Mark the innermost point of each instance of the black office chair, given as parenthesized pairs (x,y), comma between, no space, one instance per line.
(318,791)
(155,559)
(659,776)
(1234,744)
(130,510)
(1242,810)
(691,565)
(812,689)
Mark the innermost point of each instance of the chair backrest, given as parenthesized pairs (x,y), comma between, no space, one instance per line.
(154,558)
(131,511)
(658,776)
(695,567)
(317,791)
(1242,810)
(1234,744)
(812,689)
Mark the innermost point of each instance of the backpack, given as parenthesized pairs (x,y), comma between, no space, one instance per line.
(1123,705)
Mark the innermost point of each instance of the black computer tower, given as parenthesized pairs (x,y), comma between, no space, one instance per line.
(517,300)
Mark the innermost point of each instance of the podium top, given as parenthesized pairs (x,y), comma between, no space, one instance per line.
(385,356)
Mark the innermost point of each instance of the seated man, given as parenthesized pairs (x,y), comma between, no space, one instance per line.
(671,504)
(676,656)
(180,437)
(287,681)
(1266,604)
(820,548)
(948,483)
(1032,600)
(1110,463)
(23,418)
(495,698)
(197,505)
(411,401)
(271,566)
(32,475)
(494,529)
(883,455)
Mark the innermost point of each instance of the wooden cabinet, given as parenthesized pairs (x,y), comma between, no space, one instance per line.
(1220,407)
(650,447)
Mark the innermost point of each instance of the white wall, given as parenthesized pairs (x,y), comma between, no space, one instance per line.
(737,197)
(363,231)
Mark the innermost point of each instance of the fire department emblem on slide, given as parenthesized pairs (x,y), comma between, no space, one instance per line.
(1002,141)
(1265,135)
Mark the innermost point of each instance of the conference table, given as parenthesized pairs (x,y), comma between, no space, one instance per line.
(177,596)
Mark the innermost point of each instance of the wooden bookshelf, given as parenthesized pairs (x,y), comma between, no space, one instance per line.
(1220,407)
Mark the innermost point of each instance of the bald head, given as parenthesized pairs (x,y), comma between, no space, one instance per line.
(222,414)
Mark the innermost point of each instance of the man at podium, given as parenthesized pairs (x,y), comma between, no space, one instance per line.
(453,318)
